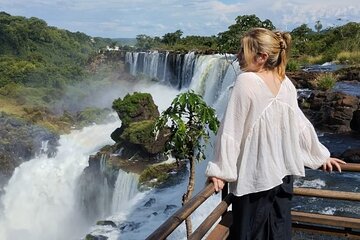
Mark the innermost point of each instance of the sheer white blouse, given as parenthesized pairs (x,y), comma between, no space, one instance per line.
(263,137)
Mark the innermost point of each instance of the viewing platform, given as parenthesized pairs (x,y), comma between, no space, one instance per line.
(313,223)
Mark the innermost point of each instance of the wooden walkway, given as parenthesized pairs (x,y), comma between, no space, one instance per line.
(345,227)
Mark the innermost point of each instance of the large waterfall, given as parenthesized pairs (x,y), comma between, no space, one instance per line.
(41,199)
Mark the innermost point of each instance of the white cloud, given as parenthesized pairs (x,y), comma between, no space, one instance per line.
(127,18)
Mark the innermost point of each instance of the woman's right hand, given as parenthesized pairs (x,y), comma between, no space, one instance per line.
(332,163)
(218,183)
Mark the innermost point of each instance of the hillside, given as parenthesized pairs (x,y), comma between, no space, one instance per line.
(35,54)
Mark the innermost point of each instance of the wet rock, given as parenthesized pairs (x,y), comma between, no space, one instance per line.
(351,155)
(150,202)
(349,74)
(136,107)
(106,223)
(302,79)
(332,112)
(355,121)
(129,226)
(169,208)
(21,141)
(95,237)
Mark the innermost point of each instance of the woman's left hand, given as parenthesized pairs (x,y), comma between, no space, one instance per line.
(332,162)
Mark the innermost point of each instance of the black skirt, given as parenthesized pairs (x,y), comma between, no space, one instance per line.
(264,215)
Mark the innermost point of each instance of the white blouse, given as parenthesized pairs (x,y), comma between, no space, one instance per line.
(262,138)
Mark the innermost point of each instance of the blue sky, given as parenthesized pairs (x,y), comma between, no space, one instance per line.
(128,18)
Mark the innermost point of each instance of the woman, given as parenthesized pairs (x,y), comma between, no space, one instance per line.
(264,140)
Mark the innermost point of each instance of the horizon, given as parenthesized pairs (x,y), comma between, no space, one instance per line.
(121,19)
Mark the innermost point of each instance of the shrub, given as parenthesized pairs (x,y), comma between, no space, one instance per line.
(325,81)
(292,66)
(348,57)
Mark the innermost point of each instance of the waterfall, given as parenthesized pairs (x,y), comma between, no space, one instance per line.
(173,69)
(212,76)
(125,190)
(39,200)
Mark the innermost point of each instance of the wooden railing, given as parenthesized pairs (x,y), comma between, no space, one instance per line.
(308,222)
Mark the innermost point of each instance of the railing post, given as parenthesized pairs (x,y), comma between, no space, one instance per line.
(224,193)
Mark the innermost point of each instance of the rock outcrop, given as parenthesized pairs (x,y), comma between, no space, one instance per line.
(138,113)
(351,155)
(20,141)
(332,112)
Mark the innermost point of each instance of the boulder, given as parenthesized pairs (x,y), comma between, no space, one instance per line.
(169,208)
(349,74)
(355,121)
(302,79)
(150,202)
(135,107)
(351,155)
(129,226)
(95,237)
(332,111)
(142,133)
(106,223)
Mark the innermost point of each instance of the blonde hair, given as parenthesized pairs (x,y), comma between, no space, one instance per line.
(275,43)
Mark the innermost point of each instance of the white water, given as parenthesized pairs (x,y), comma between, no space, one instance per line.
(125,190)
(213,79)
(39,201)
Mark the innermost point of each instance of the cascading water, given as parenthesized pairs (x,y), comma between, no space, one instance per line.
(149,209)
(175,70)
(39,200)
(125,189)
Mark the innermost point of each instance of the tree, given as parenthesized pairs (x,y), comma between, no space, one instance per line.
(229,40)
(172,38)
(191,121)
(144,42)
(318,26)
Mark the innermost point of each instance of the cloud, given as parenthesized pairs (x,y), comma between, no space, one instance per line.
(124,18)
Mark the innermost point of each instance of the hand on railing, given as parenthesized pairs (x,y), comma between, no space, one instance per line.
(218,183)
(332,162)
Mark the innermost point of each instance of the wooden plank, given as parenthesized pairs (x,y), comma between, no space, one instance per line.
(311,192)
(324,230)
(323,219)
(179,216)
(222,229)
(350,167)
(212,218)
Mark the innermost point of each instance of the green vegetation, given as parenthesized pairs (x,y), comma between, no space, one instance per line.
(338,43)
(191,122)
(155,175)
(325,81)
(34,54)
(229,40)
(40,64)
(139,106)
(331,44)
(292,65)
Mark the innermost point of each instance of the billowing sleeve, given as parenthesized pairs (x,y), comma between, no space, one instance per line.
(313,152)
(230,134)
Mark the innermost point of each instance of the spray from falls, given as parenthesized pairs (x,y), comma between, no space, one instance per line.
(39,201)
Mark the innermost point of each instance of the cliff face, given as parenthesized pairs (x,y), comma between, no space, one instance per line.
(20,141)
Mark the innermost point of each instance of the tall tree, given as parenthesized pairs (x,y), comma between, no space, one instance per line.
(191,121)
(229,40)
(318,26)
(172,38)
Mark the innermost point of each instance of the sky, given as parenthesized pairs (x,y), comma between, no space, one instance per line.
(128,18)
